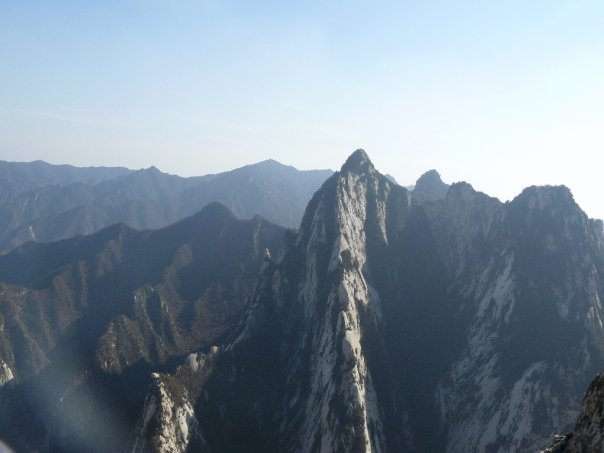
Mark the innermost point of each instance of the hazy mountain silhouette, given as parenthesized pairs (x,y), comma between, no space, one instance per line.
(66,201)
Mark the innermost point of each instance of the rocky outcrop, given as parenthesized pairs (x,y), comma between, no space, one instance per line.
(588,435)
(6,374)
(168,423)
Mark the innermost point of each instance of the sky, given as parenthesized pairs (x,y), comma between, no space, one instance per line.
(503,95)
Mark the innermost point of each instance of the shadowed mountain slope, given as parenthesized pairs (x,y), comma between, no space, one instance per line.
(84,321)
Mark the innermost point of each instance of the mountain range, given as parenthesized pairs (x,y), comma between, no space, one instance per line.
(45,203)
(435,320)
(84,321)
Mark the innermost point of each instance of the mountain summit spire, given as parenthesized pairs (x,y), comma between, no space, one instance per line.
(357,162)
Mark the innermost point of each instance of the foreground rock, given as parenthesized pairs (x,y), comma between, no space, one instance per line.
(588,435)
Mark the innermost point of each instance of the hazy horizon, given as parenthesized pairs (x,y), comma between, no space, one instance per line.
(503,96)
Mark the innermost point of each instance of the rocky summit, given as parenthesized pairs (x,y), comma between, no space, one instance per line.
(387,322)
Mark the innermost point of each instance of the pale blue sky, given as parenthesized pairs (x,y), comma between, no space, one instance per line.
(501,94)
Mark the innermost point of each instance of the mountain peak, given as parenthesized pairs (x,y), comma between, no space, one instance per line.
(430,187)
(358,162)
(546,197)
(428,179)
(268,163)
(217,210)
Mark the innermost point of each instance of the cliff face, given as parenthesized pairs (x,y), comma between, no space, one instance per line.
(300,376)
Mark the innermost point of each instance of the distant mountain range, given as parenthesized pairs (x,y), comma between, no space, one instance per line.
(20,177)
(435,320)
(44,203)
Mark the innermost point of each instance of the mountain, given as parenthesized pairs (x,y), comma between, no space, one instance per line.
(19,177)
(65,201)
(278,192)
(588,435)
(85,321)
(385,324)
(429,187)
(531,278)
